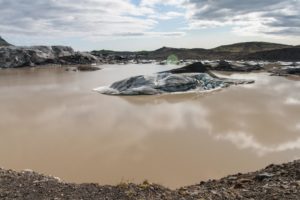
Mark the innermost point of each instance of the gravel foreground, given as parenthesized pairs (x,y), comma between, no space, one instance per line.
(273,182)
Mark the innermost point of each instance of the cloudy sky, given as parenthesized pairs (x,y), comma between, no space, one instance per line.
(148,24)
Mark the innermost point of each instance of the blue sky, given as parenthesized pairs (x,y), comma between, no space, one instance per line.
(148,24)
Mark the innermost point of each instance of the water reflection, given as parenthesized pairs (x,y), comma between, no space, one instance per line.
(166,98)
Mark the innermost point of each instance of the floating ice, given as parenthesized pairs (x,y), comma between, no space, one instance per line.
(168,83)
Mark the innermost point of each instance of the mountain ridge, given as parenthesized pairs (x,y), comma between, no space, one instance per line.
(251,47)
(237,51)
(3,43)
(233,51)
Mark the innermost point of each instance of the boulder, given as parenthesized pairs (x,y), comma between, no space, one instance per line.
(196,67)
(87,68)
(78,58)
(286,71)
(236,67)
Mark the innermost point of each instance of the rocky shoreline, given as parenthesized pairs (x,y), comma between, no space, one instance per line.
(18,57)
(273,182)
(240,57)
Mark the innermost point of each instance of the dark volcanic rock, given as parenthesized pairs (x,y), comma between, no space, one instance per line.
(88,68)
(78,58)
(14,57)
(239,51)
(197,67)
(235,67)
(286,71)
(278,182)
(3,43)
(286,54)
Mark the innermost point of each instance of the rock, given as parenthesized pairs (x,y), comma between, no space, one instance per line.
(196,67)
(238,186)
(88,68)
(78,58)
(244,180)
(263,176)
(14,57)
(20,186)
(290,70)
(236,67)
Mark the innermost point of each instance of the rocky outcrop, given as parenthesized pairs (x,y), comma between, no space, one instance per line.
(3,43)
(286,71)
(286,54)
(14,57)
(273,182)
(78,58)
(236,67)
(86,68)
(196,67)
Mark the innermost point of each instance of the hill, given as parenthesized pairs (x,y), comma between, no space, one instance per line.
(286,54)
(3,43)
(247,50)
(250,47)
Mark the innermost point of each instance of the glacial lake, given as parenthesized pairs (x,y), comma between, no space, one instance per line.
(53,123)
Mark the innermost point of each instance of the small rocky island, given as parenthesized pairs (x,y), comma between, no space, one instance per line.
(273,182)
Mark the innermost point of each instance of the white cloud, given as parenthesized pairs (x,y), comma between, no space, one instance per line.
(152,3)
(84,18)
(256,17)
(166,16)
(119,18)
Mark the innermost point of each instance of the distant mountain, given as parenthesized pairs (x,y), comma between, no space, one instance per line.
(3,42)
(181,53)
(250,47)
(164,52)
(286,54)
(247,50)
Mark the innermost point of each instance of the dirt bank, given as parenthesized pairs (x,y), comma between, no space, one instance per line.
(273,182)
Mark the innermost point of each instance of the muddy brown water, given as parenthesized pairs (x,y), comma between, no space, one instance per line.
(52,122)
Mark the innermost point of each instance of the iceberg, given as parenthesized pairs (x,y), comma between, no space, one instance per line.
(169,83)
